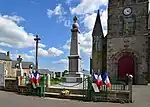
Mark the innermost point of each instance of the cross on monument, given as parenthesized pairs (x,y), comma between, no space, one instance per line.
(37,41)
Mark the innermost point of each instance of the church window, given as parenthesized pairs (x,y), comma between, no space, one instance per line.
(129,25)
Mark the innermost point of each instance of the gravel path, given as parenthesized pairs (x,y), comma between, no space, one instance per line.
(141,96)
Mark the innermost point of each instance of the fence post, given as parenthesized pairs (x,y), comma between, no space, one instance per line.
(48,80)
(130,81)
(89,89)
(19,80)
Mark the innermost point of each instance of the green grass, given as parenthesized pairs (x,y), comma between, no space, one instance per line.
(55,81)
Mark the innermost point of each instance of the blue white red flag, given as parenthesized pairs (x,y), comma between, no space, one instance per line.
(106,80)
(31,76)
(37,77)
(98,79)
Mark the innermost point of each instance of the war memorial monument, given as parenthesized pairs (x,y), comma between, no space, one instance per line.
(124,50)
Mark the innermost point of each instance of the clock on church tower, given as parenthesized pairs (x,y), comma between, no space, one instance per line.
(127,11)
(126,40)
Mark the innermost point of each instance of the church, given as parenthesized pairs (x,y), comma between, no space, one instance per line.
(126,47)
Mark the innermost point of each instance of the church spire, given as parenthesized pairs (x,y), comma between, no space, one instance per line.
(97,30)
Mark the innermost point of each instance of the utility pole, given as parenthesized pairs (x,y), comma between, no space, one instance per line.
(37,41)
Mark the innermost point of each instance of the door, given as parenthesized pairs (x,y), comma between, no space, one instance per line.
(125,66)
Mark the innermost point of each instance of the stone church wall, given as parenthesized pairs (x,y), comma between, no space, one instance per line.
(135,45)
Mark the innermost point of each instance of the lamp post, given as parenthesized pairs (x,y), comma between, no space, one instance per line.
(37,41)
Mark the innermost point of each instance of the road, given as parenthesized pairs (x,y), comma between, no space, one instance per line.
(141,96)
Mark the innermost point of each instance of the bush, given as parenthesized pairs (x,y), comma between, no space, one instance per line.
(55,81)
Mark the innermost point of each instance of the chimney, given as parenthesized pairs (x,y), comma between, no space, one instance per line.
(8,54)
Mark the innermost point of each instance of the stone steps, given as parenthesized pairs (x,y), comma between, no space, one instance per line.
(58,90)
(70,96)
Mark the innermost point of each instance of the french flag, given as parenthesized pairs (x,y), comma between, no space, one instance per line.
(106,80)
(98,79)
(37,77)
(31,76)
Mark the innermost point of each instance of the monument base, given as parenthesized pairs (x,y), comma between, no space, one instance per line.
(73,77)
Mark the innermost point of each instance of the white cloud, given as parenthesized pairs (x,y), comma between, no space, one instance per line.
(24,56)
(68,2)
(89,21)
(15,55)
(61,61)
(67,23)
(2,50)
(14,18)
(88,6)
(13,35)
(33,2)
(58,11)
(50,52)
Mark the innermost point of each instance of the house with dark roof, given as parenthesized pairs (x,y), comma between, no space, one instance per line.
(25,67)
(6,62)
(10,69)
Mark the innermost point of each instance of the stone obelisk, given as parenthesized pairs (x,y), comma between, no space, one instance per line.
(74,57)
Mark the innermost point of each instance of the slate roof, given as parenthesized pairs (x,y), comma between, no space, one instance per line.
(97,30)
(3,56)
(44,71)
(25,65)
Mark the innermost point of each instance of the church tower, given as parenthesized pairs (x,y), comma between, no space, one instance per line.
(97,46)
(127,39)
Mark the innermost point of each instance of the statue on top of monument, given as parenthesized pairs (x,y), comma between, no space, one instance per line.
(75,24)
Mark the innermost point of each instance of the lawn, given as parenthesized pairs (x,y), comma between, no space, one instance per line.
(55,81)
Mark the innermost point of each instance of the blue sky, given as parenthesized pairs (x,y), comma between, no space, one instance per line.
(21,20)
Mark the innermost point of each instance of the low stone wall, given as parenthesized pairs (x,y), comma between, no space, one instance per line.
(72,91)
(11,84)
(112,96)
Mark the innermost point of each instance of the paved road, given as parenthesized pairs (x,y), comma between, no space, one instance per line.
(141,95)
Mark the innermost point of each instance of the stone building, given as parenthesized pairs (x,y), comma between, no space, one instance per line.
(7,62)
(128,41)
(25,67)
